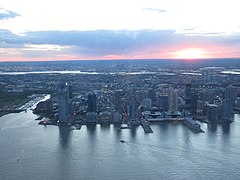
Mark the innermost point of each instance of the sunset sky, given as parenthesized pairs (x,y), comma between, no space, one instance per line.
(32,30)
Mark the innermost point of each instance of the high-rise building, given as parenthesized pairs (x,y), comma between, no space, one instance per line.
(92,102)
(152,94)
(138,97)
(63,104)
(200,107)
(194,100)
(207,74)
(163,101)
(70,91)
(188,93)
(91,117)
(226,110)
(238,102)
(117,117)
(230,93)
(132,110)
(212,112)
(147,103)
(118,100)
(211,97)
(173,100)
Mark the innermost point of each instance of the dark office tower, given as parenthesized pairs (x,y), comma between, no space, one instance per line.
(63,104)
(92,102)
(194,100)
(163,101)
(138,97)
(132,110)
(188,92)
(210,97)
(238,103)
(70,92)
(152,94)
(230,93)
(118,100)
(212,113)
(226,110)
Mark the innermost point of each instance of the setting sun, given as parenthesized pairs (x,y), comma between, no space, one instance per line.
(191,53)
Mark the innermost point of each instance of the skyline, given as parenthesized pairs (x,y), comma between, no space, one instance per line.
(95,30)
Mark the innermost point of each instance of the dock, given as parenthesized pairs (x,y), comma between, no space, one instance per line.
(193,125)
(179,119)
(146,126)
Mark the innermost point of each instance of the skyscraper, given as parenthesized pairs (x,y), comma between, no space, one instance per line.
(194,100)
(226,110)
(70,93)
(63,104)
(163,101)
(132,110)
(118,100)
(147,103)
(212,112)
(152,94)
(92,102)
(238,103)
(173,100)
(230,93)
(188,93)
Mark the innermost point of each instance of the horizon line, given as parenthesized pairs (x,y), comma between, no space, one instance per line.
(133,59)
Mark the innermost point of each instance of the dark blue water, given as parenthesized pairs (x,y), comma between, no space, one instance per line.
(95,152)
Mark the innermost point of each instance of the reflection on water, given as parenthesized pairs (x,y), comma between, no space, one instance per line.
(212,127)
(64,136)
(95,152)
(64,152)
(133,132)
(226,128)
(105,126)
(91,128)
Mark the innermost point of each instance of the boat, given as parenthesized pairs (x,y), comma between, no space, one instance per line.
(44,122)
(122,141)
(125,127)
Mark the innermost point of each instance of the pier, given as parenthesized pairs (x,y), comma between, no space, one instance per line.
(40,117)
(146,126)
(12,110)
(179,119)
(193,125)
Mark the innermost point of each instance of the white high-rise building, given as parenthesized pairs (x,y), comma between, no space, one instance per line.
(173,100)
(63,104)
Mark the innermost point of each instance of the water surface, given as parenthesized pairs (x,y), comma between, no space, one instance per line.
(95,152)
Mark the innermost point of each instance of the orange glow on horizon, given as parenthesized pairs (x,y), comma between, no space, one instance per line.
(150,52)
(191,53)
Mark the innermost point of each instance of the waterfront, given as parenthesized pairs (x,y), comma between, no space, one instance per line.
(95,152)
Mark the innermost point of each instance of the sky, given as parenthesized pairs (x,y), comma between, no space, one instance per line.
(32,30)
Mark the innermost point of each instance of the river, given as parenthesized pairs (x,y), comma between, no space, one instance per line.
(32,151)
